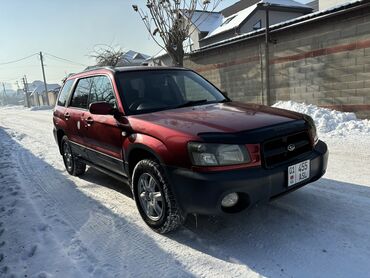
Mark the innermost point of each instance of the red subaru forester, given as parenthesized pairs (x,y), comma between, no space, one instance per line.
(181,145)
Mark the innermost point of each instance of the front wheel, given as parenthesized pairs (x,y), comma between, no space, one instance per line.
(154,199)
(73,166)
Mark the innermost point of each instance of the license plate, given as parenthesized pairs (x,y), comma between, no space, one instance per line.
(298,172)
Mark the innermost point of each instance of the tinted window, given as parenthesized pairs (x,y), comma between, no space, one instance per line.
(64,93)
(156,90)
(81,94)
(193,90)
(102,90)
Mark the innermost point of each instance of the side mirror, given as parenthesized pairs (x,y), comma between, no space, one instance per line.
(101,108)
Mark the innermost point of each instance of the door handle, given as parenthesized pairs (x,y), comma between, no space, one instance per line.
(89,121)
(67,115)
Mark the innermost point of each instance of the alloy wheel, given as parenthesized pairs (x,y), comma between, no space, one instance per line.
(150,197)
(67,156)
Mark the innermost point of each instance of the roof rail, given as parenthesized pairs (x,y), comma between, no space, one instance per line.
(92,68)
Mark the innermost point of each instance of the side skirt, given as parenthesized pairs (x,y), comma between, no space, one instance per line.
(106,171)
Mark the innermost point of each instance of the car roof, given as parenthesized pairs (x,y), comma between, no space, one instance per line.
(100,70)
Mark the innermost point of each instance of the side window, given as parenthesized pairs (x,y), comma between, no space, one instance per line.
(102,90)
(257,25)
(194,91)
(81,93)
(64,92)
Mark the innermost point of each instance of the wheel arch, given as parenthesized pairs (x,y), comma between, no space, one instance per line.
(137,152)
(59,135)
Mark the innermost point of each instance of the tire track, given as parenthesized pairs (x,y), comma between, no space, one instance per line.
(117,248)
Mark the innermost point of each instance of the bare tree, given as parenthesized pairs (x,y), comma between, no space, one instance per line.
(171,20)
(106,55)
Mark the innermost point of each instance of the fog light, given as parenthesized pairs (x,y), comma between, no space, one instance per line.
(230,200)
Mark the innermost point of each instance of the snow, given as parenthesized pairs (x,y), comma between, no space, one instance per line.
(288,3)
(232,21)
(330,122)
(55,225)
(238,18)
(41,107)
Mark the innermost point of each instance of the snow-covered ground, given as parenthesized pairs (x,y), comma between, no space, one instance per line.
(55,225)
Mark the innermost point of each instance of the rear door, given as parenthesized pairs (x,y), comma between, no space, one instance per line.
(74,115)
(59,115)
(102,134)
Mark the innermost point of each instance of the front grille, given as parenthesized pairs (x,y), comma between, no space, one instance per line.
(275,151)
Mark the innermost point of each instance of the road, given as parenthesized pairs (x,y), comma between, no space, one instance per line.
(55,225)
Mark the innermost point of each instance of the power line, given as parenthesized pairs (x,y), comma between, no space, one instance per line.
(21,59)
(66,60)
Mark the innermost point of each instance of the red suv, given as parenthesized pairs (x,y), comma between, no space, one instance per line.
(182,146)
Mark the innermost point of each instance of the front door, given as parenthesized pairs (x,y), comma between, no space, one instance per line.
(103,136)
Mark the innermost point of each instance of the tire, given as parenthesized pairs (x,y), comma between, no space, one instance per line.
(73,166)
(154,199)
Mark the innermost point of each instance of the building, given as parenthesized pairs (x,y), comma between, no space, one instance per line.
(321,58)
(37,95)
(327,4)
(314,5)
(243,17)
(132,58)
(160,59)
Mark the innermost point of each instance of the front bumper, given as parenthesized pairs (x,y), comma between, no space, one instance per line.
(202,192)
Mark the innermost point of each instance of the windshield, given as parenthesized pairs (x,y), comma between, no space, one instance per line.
(148,91)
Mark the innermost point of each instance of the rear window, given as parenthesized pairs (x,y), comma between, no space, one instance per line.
(81,93)
(64,93)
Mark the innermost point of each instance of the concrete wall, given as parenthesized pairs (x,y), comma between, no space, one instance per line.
(325,62)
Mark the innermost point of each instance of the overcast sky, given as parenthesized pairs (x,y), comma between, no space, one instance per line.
(68,29)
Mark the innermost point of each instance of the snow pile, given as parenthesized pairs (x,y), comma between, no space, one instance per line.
(329,122)
(42,107)
(12,107)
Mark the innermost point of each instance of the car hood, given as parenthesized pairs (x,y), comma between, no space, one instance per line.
(227,117)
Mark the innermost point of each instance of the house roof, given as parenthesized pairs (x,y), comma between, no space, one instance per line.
(132,55)
(40,89)
(206,21)
(235,20)
(132,58)
(232,21)
(238,6)
(355,4)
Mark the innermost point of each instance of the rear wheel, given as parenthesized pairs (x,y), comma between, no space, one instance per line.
(73,166)
(154,199)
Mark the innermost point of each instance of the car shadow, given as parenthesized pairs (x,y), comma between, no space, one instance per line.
(321,230)
(318,231)
(95,176)
(99,240)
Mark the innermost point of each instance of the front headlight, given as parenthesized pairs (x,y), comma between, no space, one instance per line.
(312,128)
(204,154)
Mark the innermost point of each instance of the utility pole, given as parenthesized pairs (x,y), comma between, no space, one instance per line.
(267,54)
(25,84)
(4,94)
(17,83)
(43,75)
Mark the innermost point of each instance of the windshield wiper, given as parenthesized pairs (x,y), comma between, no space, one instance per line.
(192,102)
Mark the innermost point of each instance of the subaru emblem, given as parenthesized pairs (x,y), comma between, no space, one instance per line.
(291,147)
